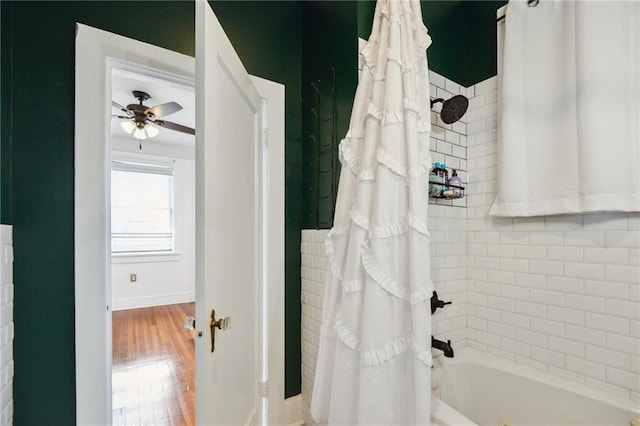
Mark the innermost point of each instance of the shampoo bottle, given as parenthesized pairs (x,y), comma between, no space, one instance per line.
(455,180)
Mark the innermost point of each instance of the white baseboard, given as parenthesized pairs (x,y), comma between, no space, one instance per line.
(287,412)
(148,301)
(293,411)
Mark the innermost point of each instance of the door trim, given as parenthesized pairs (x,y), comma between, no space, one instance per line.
(95,51)
(273,93)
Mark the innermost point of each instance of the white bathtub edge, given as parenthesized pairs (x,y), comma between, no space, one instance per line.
(469,355)
(443,415)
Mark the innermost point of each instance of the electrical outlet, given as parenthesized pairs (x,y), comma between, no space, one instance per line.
(133,278)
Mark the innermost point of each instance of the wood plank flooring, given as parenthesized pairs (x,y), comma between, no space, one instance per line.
(153,366)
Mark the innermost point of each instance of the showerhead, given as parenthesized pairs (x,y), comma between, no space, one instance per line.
(452,109)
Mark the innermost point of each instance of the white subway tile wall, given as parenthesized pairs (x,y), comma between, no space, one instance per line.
(576,280)
(447,219)
(313,274)
(6,325)
(558,293)
(448,141)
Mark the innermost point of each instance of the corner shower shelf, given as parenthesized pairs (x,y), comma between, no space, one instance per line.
(437,190)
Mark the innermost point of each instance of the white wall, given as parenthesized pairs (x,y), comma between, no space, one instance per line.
(559,293)
(447,220)
(6,325)
(313,274)
(168,278)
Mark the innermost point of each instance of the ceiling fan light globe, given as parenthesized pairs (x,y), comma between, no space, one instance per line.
(128,126)
(139,133)
(151,131)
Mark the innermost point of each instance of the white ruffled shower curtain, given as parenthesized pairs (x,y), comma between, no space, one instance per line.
(570,116)
(375,341)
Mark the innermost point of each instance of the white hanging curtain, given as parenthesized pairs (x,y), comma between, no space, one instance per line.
(569,135)
(375,341)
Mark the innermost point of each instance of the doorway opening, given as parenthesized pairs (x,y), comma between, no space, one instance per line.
(97,54)
(152,258)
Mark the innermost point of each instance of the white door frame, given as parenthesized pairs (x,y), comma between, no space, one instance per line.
(273,244)
(96,53)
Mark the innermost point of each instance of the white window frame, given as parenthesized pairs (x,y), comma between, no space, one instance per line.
(160,165)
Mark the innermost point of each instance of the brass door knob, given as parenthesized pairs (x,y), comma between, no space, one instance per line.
(221,324)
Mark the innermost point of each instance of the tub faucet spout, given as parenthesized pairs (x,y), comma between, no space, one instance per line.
(443,346)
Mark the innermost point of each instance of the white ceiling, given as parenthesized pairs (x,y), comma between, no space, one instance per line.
(161,91)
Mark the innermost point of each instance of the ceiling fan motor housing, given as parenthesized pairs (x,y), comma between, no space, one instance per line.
(141,115)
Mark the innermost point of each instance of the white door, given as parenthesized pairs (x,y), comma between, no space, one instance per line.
(229,256)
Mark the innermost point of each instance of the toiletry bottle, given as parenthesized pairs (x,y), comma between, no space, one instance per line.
(455,180)
(433,180)
(445,176)
(437,171)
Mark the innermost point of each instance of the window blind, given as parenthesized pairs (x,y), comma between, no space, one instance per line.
(142,207)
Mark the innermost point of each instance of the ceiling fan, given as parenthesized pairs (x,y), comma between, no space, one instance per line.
(140,120)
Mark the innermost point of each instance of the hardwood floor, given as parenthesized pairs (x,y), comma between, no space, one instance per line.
(153,366)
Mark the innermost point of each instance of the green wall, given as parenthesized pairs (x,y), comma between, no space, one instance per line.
(37,167)
(291,42)
(481,59)
(330,43)
(5,115)
(41,66)
(463,36)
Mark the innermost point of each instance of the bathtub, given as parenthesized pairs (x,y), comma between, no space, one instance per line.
(444,415)
(481,388)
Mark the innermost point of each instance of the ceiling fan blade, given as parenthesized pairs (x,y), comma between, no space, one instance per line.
(164,109)
(175,126)
(120,107)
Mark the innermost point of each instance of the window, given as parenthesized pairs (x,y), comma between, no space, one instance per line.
(142,207)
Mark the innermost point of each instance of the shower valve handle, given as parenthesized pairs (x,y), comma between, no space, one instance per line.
(437,303)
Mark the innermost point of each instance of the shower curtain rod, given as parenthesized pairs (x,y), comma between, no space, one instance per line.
(530,3)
